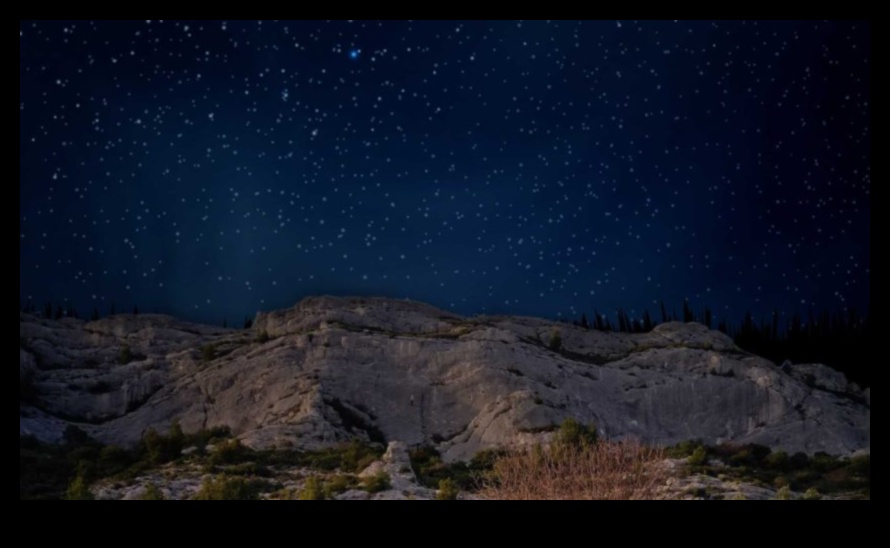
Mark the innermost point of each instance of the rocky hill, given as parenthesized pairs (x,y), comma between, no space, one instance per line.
(330,369)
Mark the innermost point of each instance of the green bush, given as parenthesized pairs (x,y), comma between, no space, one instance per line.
(229,451)
(356,456)
(159,448)
(78,489)
(447,490)
(262,337)
(376,483)
(784,494)
(683,449)
(151,492)
(812,494)
(338,484)
(112,461)
(699,456)
(227,488)
(861,466)
(555,340)
(574,434)
(312,490)
(778,460)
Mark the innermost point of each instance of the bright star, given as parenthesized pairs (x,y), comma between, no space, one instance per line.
(353,54)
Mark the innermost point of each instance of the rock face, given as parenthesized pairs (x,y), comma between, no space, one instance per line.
(332,368)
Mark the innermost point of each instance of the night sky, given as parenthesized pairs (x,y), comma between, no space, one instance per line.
(213,169)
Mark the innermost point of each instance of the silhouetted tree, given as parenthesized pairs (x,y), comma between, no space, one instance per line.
(584,321)
(647,322)
(664,314)
(708,320)
(598,323)
(112,312)
(59,313)
(688,315)
(135,310)
(95,315)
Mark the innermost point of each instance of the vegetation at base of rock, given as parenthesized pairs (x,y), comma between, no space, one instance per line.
(152,492)
(757,464)
(262,337)
(47,471)
(375,483)
(78,490)
(228,488)
(575,435)
(812,494)
(698,457)
(312,490)
(447,490)
(337,484)
(430,469)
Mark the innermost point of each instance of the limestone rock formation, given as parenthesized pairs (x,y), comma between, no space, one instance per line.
(385,370)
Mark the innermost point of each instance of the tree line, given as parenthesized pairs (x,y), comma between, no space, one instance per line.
(840,339)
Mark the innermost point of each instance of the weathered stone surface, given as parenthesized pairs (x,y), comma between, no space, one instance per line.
(388,370)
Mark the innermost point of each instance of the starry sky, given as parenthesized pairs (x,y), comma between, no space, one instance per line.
(211,169)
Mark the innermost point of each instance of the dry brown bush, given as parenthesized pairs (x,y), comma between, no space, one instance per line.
(606,470)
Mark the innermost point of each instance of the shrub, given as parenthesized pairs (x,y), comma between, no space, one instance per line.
(151,492)
(447,490)
(555,340)
(312,490)
(376,483)
(812,494)
(603,471)
(78,490)
(698,457)
(229,451)
(262,337)
(784,494)
(113,460)
(861,466)
(160,448)
(356,456)
(226,488)
(778,460)
(823,462)
(576,435)
(683,449)
(338,484)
